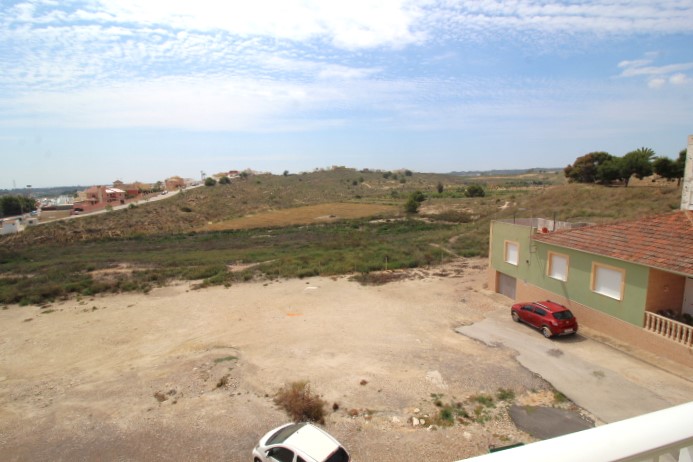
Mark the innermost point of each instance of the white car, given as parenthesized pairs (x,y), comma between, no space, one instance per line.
(299,442)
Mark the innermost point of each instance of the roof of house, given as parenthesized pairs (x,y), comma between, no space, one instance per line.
(663,241)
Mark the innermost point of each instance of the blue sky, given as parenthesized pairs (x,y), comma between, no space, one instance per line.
(97,90)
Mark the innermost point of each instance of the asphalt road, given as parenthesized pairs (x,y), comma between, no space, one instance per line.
(608,383)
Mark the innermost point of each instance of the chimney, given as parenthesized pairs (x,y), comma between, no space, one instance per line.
(687,190)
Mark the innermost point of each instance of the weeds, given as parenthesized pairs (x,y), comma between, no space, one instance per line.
(505,394)
(300,403)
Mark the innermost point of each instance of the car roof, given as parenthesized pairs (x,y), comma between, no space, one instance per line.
(551,306)
(313,442)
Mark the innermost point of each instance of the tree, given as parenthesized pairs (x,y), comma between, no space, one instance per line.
(408,173)
(286,173)
(670,169)
(610,170)
(638,163)
(475,190)
(16,205)
(243,175)
(664,167)
(584,169)
(224,180)
(209,181)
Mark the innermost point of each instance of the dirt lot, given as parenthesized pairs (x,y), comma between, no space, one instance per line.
(185,374)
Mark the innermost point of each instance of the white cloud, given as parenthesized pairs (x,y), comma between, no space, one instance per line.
(657,82)
(657,76)
(679,79)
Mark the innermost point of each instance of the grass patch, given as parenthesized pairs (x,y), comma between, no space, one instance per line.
(225,358)
(505,394)
(300,403)
(559,397)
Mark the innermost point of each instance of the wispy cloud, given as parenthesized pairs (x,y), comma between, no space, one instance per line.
(657,76)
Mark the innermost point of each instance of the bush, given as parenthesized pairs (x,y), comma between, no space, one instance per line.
(300,403)
(411,206)
(475,190)
(209,181)
(224,180)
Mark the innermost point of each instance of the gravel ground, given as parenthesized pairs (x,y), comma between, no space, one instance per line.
(182,374)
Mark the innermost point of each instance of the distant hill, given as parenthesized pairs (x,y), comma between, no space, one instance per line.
(52,191)
(505,172)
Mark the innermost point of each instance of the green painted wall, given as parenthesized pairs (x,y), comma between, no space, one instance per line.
(500,232)
(578,286)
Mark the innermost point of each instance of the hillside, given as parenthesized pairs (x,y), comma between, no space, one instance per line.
(321,223)
(201,206)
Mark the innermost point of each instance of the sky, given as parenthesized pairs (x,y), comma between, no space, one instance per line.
(93,91)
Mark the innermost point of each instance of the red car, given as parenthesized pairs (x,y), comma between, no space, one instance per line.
(550,317)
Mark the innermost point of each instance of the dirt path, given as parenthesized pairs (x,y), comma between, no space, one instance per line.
(189,375)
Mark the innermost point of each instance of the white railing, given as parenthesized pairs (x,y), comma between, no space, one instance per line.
(673,330)
(665,435)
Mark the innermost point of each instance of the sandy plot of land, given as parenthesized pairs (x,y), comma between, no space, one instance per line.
(309,214)
(182,374)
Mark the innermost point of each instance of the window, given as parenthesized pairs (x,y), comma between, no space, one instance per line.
(281,454)
(558,266)
(512,252)
(608,281)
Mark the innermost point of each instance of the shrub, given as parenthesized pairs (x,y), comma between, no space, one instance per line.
(475,190)
(505,394)
(411,206)
(224,180)
(209,181)
(300,403)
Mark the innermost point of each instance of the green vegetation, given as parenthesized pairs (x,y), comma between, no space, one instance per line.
(16,205)
(140,248)
(601,167)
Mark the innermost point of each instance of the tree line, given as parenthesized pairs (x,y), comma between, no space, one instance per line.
(11,205)
(604,168)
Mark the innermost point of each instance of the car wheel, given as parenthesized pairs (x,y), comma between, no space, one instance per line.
(515,316)
(546,331)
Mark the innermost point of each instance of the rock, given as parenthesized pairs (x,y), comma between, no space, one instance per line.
(414,421)
(395,419)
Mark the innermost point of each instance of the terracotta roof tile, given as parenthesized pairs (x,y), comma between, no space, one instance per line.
(663,241)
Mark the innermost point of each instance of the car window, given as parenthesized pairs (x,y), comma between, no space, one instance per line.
(563,315)
(527,308)
(340,455)
(540,311)
(281,455)
(299,459)
(284,433)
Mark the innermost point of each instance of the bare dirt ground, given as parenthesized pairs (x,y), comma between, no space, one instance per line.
(182,374)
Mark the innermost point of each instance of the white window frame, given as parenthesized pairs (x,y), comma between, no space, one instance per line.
(553,270)
(508,254)
(606,287)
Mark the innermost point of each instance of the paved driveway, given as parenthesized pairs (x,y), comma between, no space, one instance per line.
(606,382)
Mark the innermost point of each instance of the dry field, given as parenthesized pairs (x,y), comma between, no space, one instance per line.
(184,374)
(310,214)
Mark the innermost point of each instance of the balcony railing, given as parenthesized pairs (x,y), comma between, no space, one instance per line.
(665,435)
(668,328)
